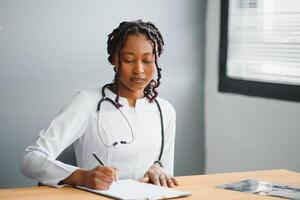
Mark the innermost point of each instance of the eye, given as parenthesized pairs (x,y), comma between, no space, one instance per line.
(148,61)
(128,60)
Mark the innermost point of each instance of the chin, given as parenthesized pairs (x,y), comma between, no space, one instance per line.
(137,87)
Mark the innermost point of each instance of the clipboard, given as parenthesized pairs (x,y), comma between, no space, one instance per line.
(131,189)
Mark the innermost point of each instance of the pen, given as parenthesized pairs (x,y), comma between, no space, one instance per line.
(101,163)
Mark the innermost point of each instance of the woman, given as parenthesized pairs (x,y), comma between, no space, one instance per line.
(130,129)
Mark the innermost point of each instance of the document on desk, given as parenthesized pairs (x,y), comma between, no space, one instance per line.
(132,189)
(264,188)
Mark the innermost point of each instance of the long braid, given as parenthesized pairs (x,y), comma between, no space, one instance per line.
(156,50)
(115,88)
(116,41)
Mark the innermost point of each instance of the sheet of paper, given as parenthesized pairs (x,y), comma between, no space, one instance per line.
(132,189)
(264,188)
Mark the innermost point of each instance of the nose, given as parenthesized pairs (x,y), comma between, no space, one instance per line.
(138,68)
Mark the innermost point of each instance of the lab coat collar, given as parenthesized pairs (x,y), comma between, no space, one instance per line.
(124,101)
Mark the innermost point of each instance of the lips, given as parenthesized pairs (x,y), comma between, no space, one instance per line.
(138,80)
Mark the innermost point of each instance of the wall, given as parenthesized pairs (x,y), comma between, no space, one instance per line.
(50,49)
(242,132)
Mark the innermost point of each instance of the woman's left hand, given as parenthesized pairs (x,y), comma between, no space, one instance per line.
(158,176)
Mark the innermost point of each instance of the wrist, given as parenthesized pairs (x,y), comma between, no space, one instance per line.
(76,178)
(159,163)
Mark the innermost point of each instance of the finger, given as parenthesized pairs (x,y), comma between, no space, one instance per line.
(162,180)
(102,185)
(174,181)
(145,179)
(154,178)
(105,178)
(170,182)
(116,173)
(99,184)
(108,171)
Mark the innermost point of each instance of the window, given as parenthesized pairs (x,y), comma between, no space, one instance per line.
(260,48)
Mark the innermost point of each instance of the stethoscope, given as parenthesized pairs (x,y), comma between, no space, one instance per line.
(105,98)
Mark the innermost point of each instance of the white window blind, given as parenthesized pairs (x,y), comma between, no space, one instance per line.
(264,40)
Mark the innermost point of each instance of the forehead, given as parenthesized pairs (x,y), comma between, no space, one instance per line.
(137,44)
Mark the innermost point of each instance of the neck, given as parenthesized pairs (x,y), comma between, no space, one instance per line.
(130,95)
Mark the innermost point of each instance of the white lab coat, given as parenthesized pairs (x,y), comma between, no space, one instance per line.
(77,123)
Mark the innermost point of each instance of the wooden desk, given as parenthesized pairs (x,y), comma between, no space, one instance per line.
(201,186)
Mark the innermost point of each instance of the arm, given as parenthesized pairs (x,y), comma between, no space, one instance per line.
(39,160)
(164,176)
(170,131)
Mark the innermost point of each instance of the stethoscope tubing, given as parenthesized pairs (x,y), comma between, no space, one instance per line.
(104,98)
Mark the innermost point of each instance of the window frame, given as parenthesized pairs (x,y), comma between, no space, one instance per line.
(248,87)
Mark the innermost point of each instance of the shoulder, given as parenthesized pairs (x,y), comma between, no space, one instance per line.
(92,94)
(90,98)
(165,104)
(167,108)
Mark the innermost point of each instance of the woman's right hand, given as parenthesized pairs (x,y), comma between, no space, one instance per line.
(100,177)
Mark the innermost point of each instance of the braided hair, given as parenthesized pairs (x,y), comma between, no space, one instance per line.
(116,41)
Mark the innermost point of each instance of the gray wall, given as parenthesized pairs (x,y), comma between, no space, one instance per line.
(50,49)
(242,132)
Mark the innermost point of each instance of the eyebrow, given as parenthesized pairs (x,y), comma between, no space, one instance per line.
(131,53)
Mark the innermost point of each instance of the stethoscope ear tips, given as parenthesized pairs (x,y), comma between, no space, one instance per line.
(123,142)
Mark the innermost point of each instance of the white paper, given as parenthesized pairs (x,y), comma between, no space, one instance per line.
(264,188)
(132,189)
